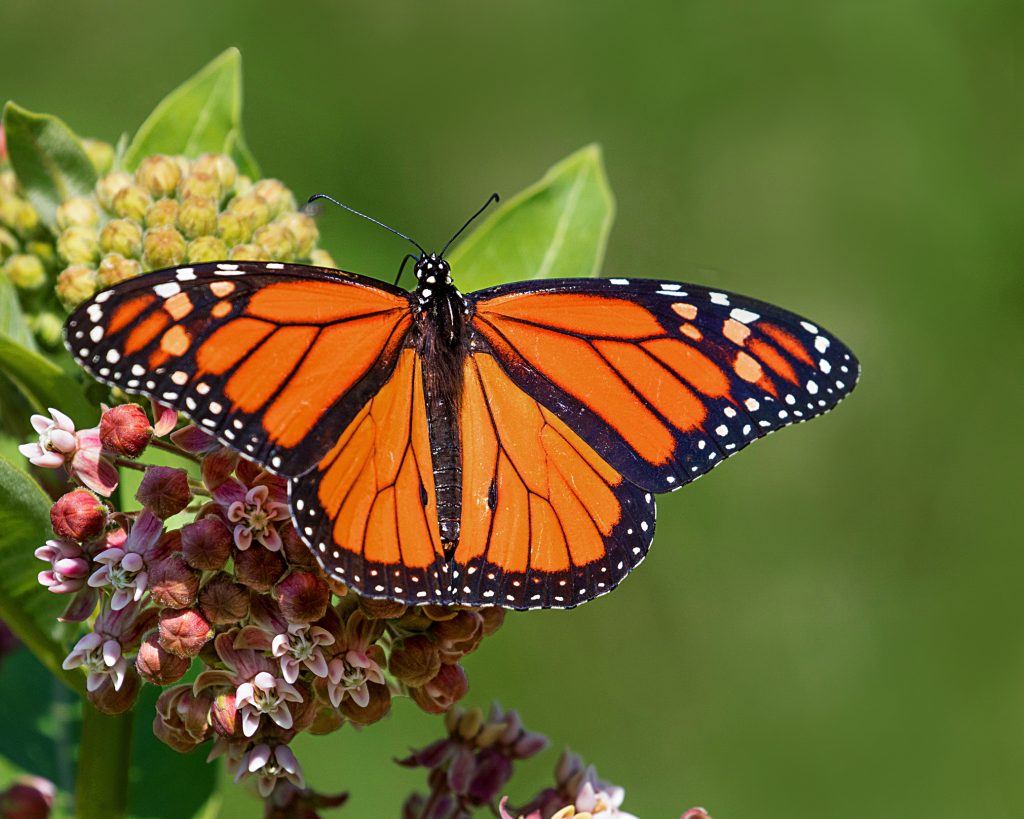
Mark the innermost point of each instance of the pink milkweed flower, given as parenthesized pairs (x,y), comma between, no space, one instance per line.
(82,451)
(101,653)
(270,764)
(300,646)
(601,803)
(349,674)
(91,466)
(68,566)
(254,506)
(165,418)
(125,568)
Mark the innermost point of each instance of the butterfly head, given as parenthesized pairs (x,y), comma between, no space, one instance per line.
(432,275)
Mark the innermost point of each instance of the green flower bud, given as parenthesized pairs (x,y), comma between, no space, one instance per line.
(232,228)
(303,230)
(220,166)
(158,174)
(243,184)
(116,268)
(101,154)
(277,240)
(77,211)
(322,258)
(184,164)
(8,243)
(200,185)
(8,182)
(25,271)
(26,220)
(249,253)
(163,247)
(197,217)
(278,198)
(162,213)
(43,251)
(207,249)
(252,209)
(9,211)
(78,245)
(109,186)
(48,327)
(132,202)
(121,236)
(75,284)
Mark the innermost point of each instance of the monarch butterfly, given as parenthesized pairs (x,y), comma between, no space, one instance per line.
(496,448)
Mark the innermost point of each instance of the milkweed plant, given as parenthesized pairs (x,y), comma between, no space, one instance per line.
(139,554)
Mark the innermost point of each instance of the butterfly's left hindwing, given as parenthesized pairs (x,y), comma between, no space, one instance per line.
(272,359)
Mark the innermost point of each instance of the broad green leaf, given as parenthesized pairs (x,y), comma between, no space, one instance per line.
(29,610)
(44,383)
(201,115)
(48,158)
(557,227)
(12,317)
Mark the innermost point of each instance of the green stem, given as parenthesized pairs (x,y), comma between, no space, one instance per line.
(103,764)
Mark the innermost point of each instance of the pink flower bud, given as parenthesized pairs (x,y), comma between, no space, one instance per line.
(259,569)
(184,632)
(303,597)
(206,544)
(696,813)
(164,490)
(125,429)
(29,797)
(78,515)
(223,601)
(448,687)
(415,660)
(224,715)
(158,666)
(173,583)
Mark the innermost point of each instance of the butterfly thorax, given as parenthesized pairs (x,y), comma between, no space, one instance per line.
(440,311)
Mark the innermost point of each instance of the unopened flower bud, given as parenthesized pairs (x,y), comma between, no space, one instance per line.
(243,184)
(252,209)
(162,213)
(259,569)
(438,613)
(163,247)
(78,245)
(448,687)
(116,268)
(25,271)
(207,249)
(110,186)
(224,715)
(181,718)
(100,153)
(115,701)
(303,230)
(132,202)
(8,243)
(277,240)
(326,721)
(206,544)
(200,185)
(696,813)
(28,797)
(47,326)
(233,229)
(493,617)
(43,250)
(184,632)
(158,666)
(374,711)
(125,429)
(415,660)
(295,551)
(223,601)
(159,175)
(78,515)
(164,490)
(121,236)
(77,211)
(197,216)
(220,166)
(75,284)
(303,597)
(249,253)
(277,196)
(321,258)
(382,609)
(173,583)
(470,723)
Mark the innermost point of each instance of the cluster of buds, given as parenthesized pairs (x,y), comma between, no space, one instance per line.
(210,576)
(174,210)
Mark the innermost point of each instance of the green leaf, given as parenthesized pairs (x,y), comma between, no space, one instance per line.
(239,151)
(44,383)
(48,159)
(12,318)
(557,227)
(203,114)
(29,610)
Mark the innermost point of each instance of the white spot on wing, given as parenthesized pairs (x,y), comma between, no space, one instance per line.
(745,316)
(719,298)
(167,289)
(96,333)
(185,274)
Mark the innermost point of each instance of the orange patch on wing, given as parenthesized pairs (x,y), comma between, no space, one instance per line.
(690,364)
(222,289)
(381,543)
(220,309)
(264,370)
(146,331)
(229,344)
(691,331)
(581,313)
(735,331)
(548,551)
(770,356)
(687,311)
(179,305)
(747,368)
(176,341)
(787,343)
(318,302)
(126,313)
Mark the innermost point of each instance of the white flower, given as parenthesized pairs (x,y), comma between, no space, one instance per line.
(100,658)
(301,645)
(349,675)
(265,694)
(56,440)
(270,765)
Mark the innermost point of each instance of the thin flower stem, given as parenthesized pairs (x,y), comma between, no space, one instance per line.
(166,447)
(127,464)
(198,488)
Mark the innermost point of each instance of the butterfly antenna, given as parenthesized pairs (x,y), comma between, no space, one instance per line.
(493,198)
(316,196)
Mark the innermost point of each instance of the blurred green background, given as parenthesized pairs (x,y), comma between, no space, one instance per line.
(829,625)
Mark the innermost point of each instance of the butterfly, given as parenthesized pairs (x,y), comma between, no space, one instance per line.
(501,447)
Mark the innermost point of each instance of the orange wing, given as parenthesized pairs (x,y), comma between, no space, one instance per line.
(368,510)
(275,360)
(546,522)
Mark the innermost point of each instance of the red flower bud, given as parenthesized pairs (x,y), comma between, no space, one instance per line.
(448,687)
(224,715)
(184,632)
(206,544)
(29,797)
(173,583)
(111,701)
(303,597)
(125,429)
(258,568)
(415,660)
(78,515)
(295,551)
(376,709)
(181,718)
(158,666)
(164,490)
(223,601)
